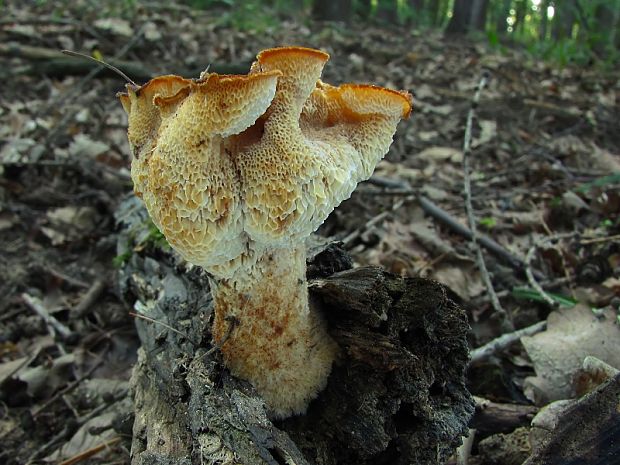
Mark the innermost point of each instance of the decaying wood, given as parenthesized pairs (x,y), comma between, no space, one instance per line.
(588,433)
(395,396)
(493,417)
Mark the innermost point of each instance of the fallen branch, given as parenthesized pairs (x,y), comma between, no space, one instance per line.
(471,219)
(500,343)
(54,63)
(439,214)
(528,269)
(54,326)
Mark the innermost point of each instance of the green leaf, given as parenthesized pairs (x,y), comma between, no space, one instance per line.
(527,293)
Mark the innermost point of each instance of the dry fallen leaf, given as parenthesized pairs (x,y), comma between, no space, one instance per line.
(441,154)
(488,131)
(558,353)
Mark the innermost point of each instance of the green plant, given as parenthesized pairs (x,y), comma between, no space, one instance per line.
(527,293)
(120,260)
(488,222)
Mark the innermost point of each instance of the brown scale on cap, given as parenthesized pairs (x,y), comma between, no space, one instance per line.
(237,171)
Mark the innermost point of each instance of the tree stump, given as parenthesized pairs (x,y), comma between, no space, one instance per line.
(396,395)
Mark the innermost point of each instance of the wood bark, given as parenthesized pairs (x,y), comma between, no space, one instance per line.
(461,17)
(544,19)
(332,10)
(387,10)
(502,12)
(395,396)
(563,20)
(588,433)
(478,19)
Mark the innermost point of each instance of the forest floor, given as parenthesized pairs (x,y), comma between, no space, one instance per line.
(545,186)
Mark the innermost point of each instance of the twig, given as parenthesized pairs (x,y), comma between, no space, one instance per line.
(469,208)
(531,279)
(90,452)
(67,389)
(65,277)
(101,62)
(439,214)
(597,240)
(54,326)
(479,300)
(505,340)
(41,450)
(25,363)
(232,323)
(349,238)
(496,249)
(59,102)
(167,326)
(90,297)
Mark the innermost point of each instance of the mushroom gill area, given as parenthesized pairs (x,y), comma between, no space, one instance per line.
(236,171)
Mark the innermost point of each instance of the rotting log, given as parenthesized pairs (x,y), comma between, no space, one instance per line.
(395,396)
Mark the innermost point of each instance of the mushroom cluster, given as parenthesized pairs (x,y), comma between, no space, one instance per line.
(236,171)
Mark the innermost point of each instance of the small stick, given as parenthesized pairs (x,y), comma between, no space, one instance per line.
(92,294)
(65,277)
(444,217)
(90,452)
(167,326)
(67,389)
(597,240)
(54,326)
(505,340)
(348,240)
(101,62)
(232,323)
(531,279)
(471,219)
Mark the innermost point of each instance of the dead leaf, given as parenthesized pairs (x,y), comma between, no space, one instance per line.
(43,380)
(558,353)
(115,26)
(8,369)
(463,279)
(16,150)
(81,218)
(83,146)
(488,131)
(151,31)
(441,154)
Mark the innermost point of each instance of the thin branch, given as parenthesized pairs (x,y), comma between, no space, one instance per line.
(89,298)
(471,219)
(101,62)
(455,225)
(165,325)
(531,279)
(232,323)
(67,389)
(349,238)
(500,343)
(82,456)
(54,326)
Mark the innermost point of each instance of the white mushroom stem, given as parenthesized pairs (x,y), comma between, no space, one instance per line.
(278,341)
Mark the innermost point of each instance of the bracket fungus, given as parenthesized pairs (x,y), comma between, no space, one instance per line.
(236,171)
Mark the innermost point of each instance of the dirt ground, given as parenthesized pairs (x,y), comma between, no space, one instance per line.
(545,186)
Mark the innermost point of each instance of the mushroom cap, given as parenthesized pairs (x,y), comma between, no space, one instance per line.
(229,166)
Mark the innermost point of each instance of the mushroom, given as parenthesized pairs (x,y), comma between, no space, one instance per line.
(236,172)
